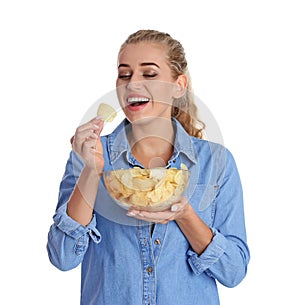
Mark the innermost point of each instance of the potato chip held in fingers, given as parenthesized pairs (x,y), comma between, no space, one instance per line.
(106,112)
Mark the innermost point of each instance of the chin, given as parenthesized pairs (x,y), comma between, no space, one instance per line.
(149,120)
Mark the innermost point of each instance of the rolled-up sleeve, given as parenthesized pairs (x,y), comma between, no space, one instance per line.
(227,256)
(210,256)
(67,239)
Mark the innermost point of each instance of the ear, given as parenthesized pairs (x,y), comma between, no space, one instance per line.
(180,86)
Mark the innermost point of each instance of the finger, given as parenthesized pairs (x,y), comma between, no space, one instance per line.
(96,143)
(161,216)
(99,123)
(141,216)
(152,216)
(175,208)
(179,205)
(89,150)
(85,133)
(148,219)
(93,158)
(93,124)
(90,129)
(81,137)
(99,147)
(97,133)
(89,143)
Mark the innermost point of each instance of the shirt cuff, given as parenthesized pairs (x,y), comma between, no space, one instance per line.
(74,229)
(200,263)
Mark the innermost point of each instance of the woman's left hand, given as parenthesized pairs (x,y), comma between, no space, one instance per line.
(177,210)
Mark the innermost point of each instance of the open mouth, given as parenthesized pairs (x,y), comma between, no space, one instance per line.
(137,101)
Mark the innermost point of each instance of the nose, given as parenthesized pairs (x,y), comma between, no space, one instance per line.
(134,86)
(135,83)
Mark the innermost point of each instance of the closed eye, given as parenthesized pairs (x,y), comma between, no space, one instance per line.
(124,76)
(150,75)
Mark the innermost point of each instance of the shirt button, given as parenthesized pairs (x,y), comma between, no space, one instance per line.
(149,270)
(157,241)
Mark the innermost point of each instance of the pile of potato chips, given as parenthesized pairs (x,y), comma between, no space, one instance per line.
(142,188)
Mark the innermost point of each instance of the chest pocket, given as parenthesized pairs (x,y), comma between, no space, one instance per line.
(203,201)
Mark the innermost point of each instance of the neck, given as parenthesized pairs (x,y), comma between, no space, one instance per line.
(152,141)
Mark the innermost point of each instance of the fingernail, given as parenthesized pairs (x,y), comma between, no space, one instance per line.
(174,208)
(96,126)
(131,214)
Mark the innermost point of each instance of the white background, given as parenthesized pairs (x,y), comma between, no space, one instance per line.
(59,57)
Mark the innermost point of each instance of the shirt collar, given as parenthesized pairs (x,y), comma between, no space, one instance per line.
(118,144)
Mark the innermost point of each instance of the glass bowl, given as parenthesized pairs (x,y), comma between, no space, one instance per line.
(153,189)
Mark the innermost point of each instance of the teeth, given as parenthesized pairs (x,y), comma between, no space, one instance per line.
(137,99)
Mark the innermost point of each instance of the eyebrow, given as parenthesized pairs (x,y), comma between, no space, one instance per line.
(142,64)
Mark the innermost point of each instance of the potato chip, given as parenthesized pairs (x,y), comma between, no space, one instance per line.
(183,166)
(115,185)
(154,196)
(157,173)
(138,172)
(139,199)
(178,177)
(106,112)
(142,184)
(126,179)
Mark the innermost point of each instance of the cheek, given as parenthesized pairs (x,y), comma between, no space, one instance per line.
(162,92)
(120,90)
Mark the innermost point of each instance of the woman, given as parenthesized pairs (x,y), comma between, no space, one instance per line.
(169,257)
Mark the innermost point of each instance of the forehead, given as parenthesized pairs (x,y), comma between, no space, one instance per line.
(137,53)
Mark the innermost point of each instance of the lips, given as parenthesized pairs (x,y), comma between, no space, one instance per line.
(137,100)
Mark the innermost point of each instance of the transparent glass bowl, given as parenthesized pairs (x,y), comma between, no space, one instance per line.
(152,189)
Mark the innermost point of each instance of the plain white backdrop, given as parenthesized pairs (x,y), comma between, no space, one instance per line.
(59,57)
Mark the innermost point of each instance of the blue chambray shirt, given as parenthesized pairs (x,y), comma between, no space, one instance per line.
(124,262)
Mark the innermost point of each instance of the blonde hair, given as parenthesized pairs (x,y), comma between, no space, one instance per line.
(184,109)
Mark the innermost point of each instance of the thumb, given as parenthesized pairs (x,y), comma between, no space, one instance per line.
(179,205)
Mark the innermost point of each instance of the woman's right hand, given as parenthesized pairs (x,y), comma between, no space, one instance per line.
(86,143)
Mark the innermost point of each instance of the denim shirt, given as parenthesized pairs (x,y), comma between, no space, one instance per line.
(123,261)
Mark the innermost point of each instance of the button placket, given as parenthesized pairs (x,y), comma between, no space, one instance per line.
(146,248)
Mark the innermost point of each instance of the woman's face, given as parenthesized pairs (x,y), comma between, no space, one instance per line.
(145,86)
